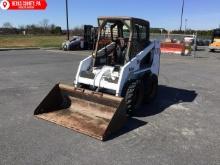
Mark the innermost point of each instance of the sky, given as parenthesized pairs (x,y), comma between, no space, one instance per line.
(200,14)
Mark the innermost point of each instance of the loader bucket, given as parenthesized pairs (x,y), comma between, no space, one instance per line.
(95,114)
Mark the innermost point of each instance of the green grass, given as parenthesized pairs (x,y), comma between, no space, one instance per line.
(20,41)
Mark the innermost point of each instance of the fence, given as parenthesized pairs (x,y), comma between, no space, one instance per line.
(180,37)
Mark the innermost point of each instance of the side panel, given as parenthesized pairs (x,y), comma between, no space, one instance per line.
(132,69)
(155,68)
(83,66)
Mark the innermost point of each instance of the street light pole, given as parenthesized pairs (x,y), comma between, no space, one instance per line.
(181,22)
(67,21)
(186,24)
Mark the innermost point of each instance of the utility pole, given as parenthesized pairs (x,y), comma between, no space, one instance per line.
(67,21)
(186,24)
(181,22)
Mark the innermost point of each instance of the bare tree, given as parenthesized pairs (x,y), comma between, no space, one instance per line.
(7,25)
(44,23)
(21,27)
(78,31)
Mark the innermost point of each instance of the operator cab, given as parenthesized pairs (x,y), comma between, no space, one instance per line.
(119,40)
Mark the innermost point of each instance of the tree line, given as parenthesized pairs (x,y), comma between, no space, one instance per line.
(42,28)
(188,31)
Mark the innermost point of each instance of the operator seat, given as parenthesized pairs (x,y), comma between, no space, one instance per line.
(121,50)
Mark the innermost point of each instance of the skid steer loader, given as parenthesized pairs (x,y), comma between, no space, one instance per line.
(112,83)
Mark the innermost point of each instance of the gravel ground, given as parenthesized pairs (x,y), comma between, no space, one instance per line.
(180,127)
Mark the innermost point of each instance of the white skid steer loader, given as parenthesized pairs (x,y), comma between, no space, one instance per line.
(112,83)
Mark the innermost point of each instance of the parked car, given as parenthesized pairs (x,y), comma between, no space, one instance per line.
(75,43)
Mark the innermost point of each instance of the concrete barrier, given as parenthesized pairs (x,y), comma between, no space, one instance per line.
(174,48)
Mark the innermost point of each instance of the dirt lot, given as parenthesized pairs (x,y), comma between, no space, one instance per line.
(181,127)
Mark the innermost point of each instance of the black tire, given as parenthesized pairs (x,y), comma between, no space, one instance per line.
(212,50)
(134,96)
(150,88)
